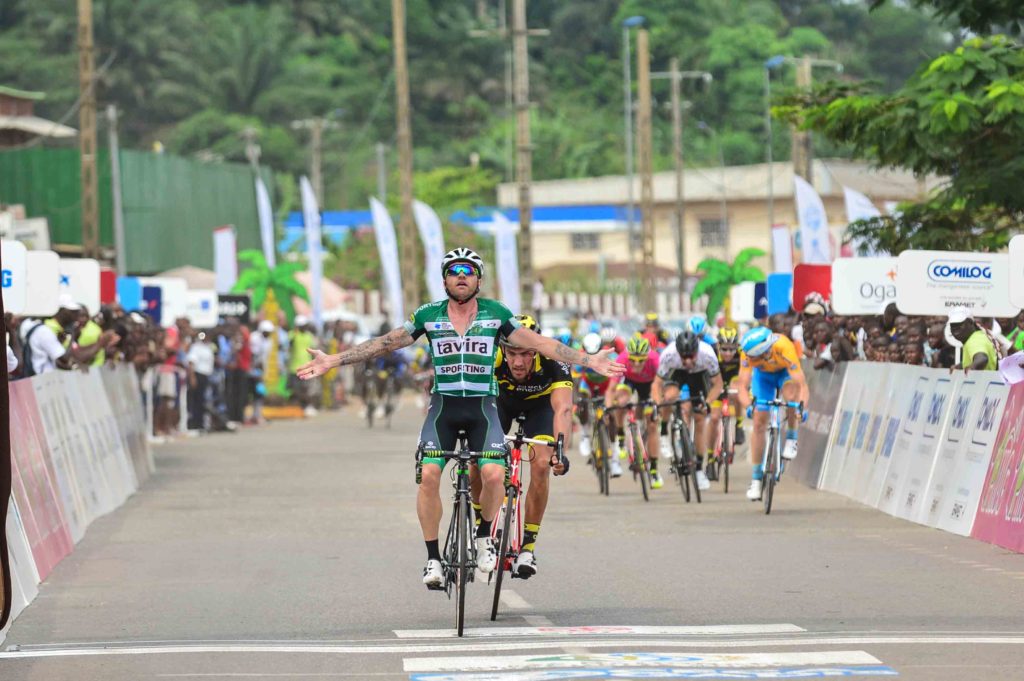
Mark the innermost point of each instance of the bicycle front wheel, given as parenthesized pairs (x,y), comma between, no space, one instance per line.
(503,548)
(770,470)
(640,455)
(462,567)
(691,467)
(606,458)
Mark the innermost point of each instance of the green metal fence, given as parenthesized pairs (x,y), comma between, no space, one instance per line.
(171,204)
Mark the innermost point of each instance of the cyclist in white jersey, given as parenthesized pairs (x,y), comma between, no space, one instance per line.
(463,332)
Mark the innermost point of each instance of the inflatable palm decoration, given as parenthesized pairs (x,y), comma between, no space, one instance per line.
(258,278)
(720,276)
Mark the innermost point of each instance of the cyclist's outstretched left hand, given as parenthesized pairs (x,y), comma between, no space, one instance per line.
(606,365)
(318,366)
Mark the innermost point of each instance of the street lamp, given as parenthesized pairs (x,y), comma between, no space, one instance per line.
(770,64)
(627,96)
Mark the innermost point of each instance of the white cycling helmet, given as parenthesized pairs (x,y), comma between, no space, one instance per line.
(462,255)
(592,343)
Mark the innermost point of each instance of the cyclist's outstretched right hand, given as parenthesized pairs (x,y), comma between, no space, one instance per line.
(318,366)
(750,411)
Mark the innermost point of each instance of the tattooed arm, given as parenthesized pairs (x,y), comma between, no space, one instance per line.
(321,362)
(561,352)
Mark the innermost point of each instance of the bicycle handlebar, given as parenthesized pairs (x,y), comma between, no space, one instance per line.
(780,403)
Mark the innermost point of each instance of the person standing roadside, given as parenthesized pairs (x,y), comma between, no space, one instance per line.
(301,340)
(200,361)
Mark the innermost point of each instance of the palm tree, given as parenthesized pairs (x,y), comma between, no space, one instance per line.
(260,279)
(719,278)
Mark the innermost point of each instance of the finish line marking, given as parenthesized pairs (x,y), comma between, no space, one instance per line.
(587,661)
(667,673)
(492,646)
(710,630)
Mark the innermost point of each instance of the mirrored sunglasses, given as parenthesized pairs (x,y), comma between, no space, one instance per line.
(461,269)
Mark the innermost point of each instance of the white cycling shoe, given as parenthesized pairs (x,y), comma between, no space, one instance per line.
(525,565)
(616,468)
(433,575)
(666,450)
(702,481)
(754,491)
(789,451)
(585,448)
(486,555)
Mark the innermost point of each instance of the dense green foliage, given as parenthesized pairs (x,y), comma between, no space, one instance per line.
(193,74)
(961,116)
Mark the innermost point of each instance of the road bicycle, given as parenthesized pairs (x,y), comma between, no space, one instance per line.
(601,445)
(507,529)
(636,447)
(773,465)
(725,441)
(459,558)
(684,457)
(380,387)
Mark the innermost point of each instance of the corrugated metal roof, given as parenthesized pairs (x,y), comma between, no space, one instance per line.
(21,94)
(34,125)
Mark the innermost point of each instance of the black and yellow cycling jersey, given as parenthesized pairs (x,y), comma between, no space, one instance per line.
(730,370)
(535,390)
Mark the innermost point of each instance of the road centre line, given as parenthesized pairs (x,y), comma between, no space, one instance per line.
(625,630)
(492,646)
(503,663)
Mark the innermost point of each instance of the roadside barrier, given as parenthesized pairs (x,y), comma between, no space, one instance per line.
(937,448)
(79,450)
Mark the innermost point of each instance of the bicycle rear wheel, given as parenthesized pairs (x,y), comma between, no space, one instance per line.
(723,459)
(691,467)
(606,457)
(769,473)
(462,567)
(679,465)
(371,400)
(640,457)
(503,547)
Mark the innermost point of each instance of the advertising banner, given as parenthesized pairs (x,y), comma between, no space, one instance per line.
(237,305)
(782,249)
(225,258)
(108,286)
(432,236)
(780,292)
(80,278)
(815,242)
(859,207)
(863,286)
(815,433)
(24,578)
(811,279)
(742,302)
(842,433)
(173,298)
(387,247)
(760,300)
(152,303)
(129,293)
(14,276)
(933,282)
(910,498)
(43,283)
(962,462)
(1016,264)
(507,261)
(314,250)
(867,468)
(201,308)
(1000,515)
(266,217)
(917,388)
(33,486)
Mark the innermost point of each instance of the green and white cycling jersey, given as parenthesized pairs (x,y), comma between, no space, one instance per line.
(463,365)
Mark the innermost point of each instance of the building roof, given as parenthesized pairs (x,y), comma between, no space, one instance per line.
(21,94)
(34,125)
(749,182)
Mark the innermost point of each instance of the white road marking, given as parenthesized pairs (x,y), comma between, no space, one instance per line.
(513,600)
(490,664)
(710,630)
(492,646)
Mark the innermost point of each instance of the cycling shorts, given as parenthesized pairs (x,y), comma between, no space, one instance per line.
(478,416)
(690,383)
(539,424)
(766,384)
(643,390)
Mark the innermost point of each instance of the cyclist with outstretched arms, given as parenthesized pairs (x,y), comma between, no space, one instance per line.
(541,389)
(641,367)
(688,363)
(463,332)
(771,363)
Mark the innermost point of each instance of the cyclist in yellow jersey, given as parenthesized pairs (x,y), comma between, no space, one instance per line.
(769,363)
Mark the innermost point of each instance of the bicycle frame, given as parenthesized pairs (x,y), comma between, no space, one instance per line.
(772,461)
(681,431)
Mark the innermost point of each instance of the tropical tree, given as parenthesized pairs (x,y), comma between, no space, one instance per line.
(720,276)
(260,279)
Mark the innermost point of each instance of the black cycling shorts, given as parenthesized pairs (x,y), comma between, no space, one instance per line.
(478,416)
(643,390)
(540,419)
(697,383)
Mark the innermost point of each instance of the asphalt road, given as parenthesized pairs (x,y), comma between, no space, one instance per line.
(293,551)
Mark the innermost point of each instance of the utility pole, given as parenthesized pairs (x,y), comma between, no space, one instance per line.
(645,163)
(524,147)
(316,127)
(802,152)
(87,132)
(678,108)
(120,254)
(382,173)
(406,228)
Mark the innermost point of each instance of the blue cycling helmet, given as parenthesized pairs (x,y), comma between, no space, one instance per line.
(697,325)
(757,341)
